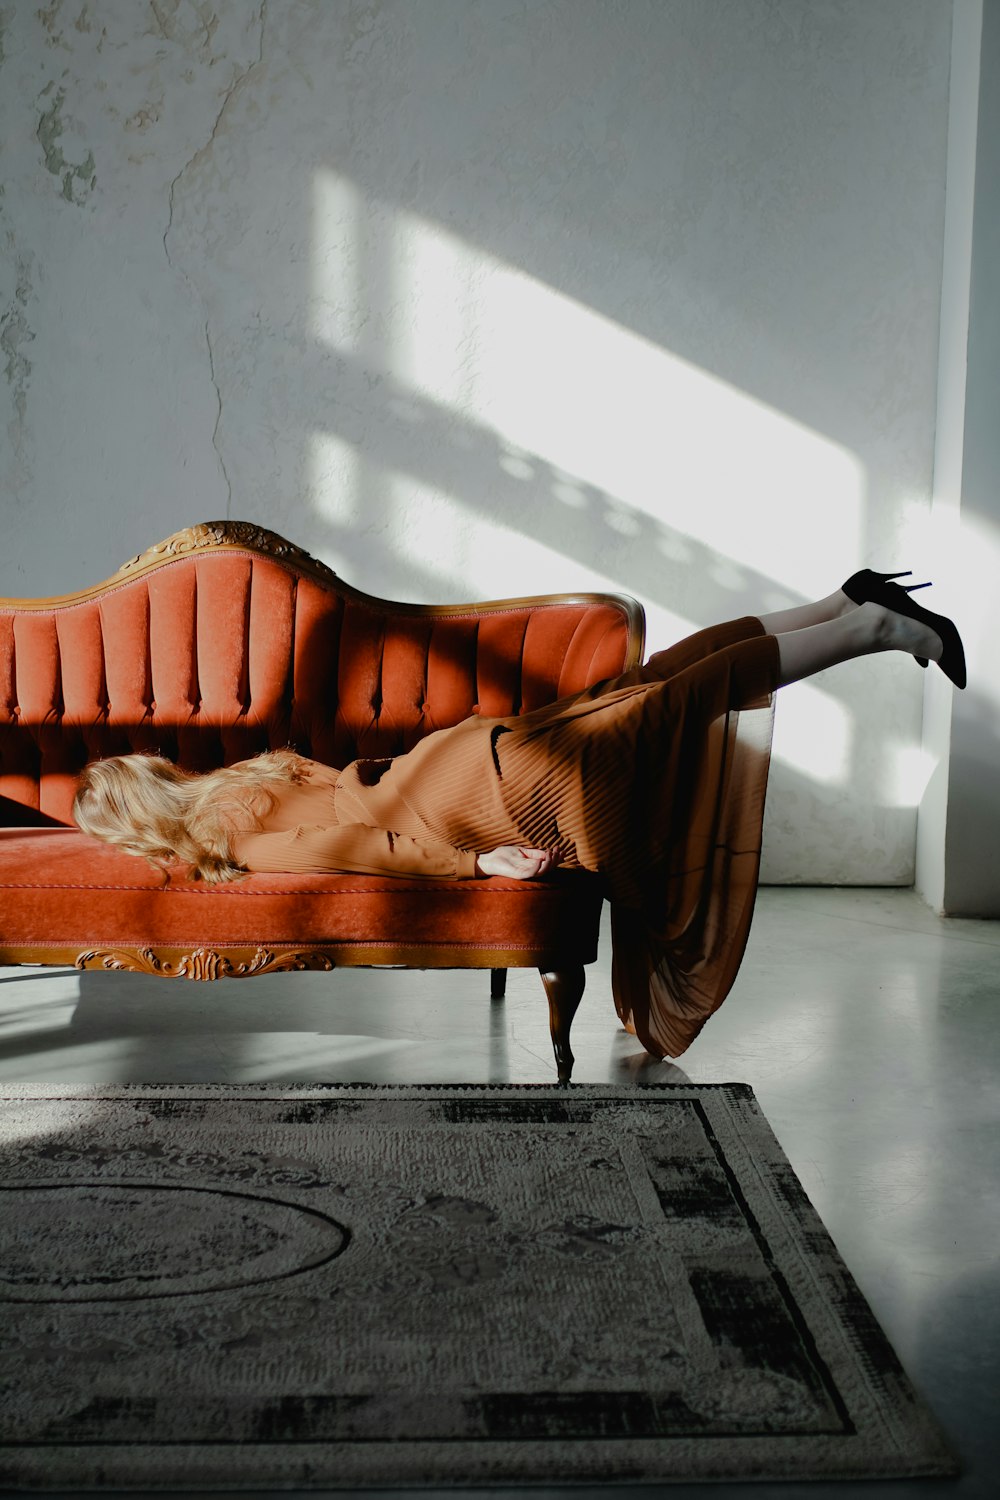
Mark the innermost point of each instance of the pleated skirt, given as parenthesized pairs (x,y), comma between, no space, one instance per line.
(654,780)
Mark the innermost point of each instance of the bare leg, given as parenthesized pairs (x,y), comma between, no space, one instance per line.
(862,630)
(804,615)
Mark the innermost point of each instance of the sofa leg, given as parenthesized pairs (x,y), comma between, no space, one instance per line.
(564,989)
(498,983)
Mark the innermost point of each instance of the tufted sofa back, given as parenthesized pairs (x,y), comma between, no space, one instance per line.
(226,640)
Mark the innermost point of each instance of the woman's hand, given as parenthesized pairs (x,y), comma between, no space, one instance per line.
(515,863)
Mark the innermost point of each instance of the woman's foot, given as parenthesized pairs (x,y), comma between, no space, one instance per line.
(896,632)
(943,642)
(868,584)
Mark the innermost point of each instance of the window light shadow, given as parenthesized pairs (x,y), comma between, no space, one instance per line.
(463,414)
(441,412)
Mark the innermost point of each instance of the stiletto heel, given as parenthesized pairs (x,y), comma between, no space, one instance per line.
(864,586)
(858,587)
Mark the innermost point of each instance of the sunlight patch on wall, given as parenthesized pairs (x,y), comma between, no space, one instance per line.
(337,292)
(959,551)
(561,383)
(908,769)
(647,455)
(816,738)
(427,529)
(487,559)
(653,431)
(437,280)
(333,477)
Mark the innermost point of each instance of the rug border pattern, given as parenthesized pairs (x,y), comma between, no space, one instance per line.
(726,1109)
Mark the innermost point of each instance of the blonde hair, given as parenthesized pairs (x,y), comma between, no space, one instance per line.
(145,805)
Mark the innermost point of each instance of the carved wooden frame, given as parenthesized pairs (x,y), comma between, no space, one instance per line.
(230,961)
(201,963)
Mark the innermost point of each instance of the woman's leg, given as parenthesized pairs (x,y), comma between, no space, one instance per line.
(705,642)
(803,615)
(717,637)
(810,638)
(860,631)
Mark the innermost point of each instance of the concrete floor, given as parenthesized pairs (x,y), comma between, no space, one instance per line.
(868,1028)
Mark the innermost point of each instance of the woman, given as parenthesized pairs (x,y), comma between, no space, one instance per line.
(654,779)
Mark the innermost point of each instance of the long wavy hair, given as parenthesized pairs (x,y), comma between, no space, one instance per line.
(145,805)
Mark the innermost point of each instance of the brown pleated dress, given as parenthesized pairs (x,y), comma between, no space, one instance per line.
(658,780)
(654,779)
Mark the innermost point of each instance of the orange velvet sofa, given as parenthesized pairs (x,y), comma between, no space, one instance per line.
(226,640)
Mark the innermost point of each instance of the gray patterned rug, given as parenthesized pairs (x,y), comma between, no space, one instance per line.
(316,1287)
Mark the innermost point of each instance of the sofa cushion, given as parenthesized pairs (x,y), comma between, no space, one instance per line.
(61,890)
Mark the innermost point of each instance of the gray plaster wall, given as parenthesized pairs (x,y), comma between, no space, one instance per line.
(972,861)
(483,297)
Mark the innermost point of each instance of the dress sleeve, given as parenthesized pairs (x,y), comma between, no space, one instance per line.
(353,848)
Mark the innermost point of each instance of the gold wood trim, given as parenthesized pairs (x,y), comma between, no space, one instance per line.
(203,963)
(245,962)
(226,534)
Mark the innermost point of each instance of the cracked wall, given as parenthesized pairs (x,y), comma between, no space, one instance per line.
(80,175)
(474,298)
(111,407)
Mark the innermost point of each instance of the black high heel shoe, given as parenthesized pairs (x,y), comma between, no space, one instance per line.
(858,587)
(877,588)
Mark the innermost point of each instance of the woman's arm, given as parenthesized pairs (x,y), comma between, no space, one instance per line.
(353,848)
(356,848)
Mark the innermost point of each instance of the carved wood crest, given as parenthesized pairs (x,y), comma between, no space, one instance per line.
(226,533)
(202,963)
